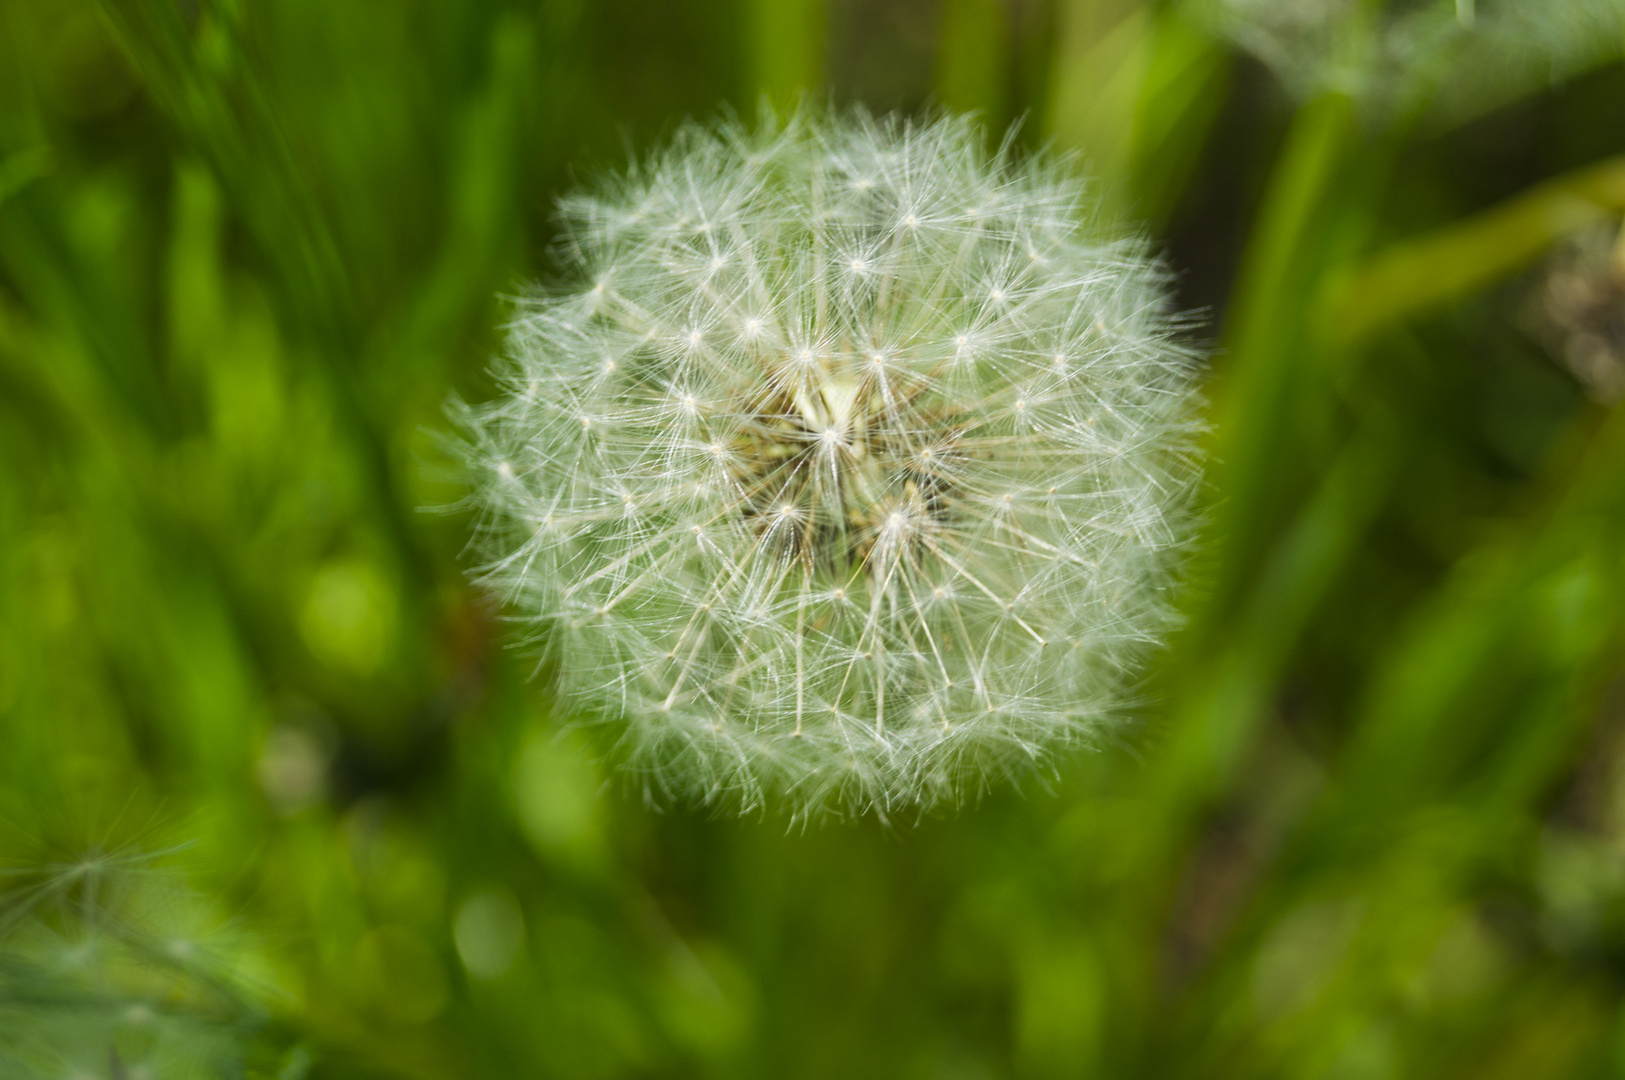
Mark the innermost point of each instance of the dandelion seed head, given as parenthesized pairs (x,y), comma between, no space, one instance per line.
(821,508)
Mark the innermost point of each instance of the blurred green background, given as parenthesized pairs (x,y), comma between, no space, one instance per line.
(277,799)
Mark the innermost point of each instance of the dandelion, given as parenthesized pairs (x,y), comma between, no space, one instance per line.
(847,470)
(111,965)
(1456,57)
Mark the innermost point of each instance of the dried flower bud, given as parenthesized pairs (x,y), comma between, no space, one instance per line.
(847,469)
(1577,310)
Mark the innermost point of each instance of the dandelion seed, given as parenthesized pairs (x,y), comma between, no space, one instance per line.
(828,551)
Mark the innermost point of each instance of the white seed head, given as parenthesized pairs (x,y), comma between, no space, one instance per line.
(829,491)
(1459,56)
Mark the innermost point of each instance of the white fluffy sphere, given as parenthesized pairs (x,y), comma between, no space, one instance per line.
(845,469)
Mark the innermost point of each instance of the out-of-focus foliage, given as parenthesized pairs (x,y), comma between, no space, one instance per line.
(1371,823)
